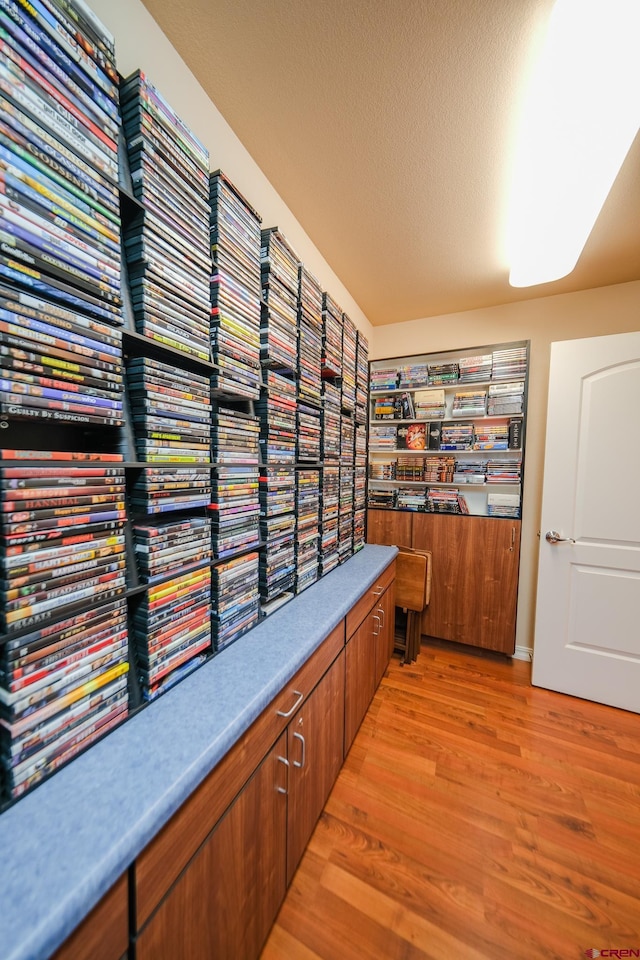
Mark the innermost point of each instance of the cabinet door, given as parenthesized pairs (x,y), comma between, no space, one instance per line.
(474,581)
(224,903)
(384,628)
(360,668)
(389,527)
(315,753)
(104,934)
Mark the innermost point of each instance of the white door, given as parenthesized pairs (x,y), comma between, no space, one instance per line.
(587,636)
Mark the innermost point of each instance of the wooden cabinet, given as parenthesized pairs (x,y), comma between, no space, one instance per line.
(369,647)
(160,864)
(315,754)
(210,884)
(389,527)
(359,677)
(104,934)
(384,632)
(474,578)
(225,901)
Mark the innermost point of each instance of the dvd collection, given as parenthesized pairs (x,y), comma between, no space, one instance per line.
(277,409)
(166,546)
(509,363)
(279,319)
(309,338)
(345,539)
(330,488)
(235,290)
(307,527)
(278,412)
(172,630)
(457,412)
(167,245)
(236,600)
(64,659)
(349,355)
(362,377)
(60,349)
(235,502)
(331,338)
(62,687)
(120,578)
(330,516)
(359,486)
(331,422)
(309,427)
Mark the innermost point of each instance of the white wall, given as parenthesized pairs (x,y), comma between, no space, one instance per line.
(588,313)
(140,44)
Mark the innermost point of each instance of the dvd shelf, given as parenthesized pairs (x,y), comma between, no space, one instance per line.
(180,451)
(452,426)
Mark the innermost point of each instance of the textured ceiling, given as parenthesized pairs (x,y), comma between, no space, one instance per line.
(387,129)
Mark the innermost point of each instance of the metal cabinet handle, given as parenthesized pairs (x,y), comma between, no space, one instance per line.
(286,763)
(300,764)
(381,612)
(376,632)
(378,592)
(300,698)
(552,536)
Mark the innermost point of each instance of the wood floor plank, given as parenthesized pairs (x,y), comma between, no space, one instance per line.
(477,818)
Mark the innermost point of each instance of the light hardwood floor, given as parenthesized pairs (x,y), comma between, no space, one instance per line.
(475,818)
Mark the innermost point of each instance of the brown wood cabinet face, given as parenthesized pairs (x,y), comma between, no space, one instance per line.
(360,666)
(225,901)
(389,527)
(315,753)
(104,934)
(384,627)
(368,600)
(160,864)
(474,582)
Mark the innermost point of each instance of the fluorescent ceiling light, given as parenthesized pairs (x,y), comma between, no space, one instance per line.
(580,119)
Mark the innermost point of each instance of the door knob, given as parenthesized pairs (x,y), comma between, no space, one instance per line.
(552,536)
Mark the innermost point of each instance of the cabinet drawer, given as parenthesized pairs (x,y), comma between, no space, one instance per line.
(161,862)
(358,612)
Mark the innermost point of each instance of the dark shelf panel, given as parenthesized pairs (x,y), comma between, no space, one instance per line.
(137,345)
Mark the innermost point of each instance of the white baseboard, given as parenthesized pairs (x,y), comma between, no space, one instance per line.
(523,653)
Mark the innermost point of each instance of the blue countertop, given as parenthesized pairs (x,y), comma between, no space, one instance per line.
(65,844)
